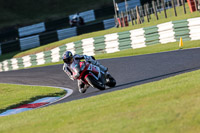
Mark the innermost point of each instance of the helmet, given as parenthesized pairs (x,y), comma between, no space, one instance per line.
(68,57)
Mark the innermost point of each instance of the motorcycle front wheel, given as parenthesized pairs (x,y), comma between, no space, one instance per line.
(95,83)
(111,81)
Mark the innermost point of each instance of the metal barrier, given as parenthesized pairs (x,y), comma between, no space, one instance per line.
(66,33)
(32,29)
(109,23)
(29,42)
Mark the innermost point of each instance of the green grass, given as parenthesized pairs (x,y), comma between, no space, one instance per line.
(167,106)
(170,105)
(153,21)
(14,95)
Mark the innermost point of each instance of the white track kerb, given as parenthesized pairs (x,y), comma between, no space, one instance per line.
(48,100)
(69,92)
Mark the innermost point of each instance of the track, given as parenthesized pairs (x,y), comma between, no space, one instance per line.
(128,71)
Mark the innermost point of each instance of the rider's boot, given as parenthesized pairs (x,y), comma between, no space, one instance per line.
(103,68)
(107,74)
(82,87)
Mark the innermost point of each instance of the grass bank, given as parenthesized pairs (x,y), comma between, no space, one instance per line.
(14,95)
(170,105)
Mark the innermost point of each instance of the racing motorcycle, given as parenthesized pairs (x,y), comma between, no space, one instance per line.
(91,75)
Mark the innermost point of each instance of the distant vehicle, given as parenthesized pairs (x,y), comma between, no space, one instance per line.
(76,21)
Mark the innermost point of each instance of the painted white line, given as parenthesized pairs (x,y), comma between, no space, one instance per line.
(14,111)
(69,92)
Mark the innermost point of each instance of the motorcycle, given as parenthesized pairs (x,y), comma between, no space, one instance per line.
(91,75)
(76,22)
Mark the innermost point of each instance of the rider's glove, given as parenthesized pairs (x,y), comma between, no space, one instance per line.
(71,77)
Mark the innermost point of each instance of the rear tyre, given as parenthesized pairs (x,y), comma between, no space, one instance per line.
(95,83)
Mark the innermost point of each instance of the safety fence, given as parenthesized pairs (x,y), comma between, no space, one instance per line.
(163,33)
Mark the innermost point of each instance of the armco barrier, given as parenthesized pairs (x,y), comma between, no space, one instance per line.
(162,33)
(29,42)
(66,33)
(57,24)
(32,29)
(0,49)
(90,28)
(10,46)
(7,34)
(48,37)
(109,23)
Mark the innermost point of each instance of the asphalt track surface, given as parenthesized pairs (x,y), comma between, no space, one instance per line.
(128,71)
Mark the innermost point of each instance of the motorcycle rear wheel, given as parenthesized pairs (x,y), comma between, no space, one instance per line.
(95,83)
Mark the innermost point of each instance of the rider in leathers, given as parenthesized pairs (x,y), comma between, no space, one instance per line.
(68,58)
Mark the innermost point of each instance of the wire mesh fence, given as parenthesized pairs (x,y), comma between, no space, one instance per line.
(158,9)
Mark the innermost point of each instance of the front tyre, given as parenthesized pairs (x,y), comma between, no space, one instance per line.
(111,82)
(95,83)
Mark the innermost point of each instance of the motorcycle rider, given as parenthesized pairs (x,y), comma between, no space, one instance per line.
(77,20)
(68,59)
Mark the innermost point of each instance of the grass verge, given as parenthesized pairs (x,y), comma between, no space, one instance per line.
(170,105)
(12,95)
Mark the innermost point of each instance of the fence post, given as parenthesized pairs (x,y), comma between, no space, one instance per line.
(198,5)
(183,2)
(134,17)
(154,8)
(141,14)
(178,2)
(138,15)
(131,17)
(158,5)
(146,13)
(123,21)
(163,5)
(173,4)
(120,21)
(115,8)
(195,3)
